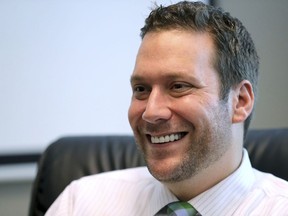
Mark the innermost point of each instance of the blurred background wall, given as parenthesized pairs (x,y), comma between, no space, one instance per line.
(65,68)
(268,25)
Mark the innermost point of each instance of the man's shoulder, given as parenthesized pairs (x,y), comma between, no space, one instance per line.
(273,186)
(126,183)
(268,196)
(129,175)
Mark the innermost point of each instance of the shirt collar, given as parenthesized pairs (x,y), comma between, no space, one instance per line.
(221,199)
(224,198)
(161,197)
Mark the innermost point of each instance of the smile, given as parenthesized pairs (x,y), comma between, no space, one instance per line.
(167,138)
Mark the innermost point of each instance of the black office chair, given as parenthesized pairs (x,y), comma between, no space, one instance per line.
(70,158)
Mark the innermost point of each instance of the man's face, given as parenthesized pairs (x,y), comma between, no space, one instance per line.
(177,117)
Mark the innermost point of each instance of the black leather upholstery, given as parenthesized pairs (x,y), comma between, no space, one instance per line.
(268,151)
(70,158)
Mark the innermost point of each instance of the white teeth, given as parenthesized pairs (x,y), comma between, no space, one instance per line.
(167,138)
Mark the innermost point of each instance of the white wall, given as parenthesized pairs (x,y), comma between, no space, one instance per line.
(65,68)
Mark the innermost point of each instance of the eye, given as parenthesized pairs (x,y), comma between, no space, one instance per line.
(140,92)
(139,89)
(181,87)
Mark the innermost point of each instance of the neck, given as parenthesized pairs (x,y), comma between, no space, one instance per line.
(209,177)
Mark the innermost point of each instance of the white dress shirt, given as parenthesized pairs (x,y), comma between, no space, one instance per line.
(134,192)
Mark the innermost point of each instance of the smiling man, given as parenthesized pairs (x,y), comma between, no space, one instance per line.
(193,93)
(179,119)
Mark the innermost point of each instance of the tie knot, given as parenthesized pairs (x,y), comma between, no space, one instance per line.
(178,209)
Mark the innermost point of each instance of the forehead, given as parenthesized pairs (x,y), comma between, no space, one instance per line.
(174,53)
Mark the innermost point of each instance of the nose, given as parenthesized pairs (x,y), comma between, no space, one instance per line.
(157,108)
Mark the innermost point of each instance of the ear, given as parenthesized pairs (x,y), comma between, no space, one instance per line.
(243,101)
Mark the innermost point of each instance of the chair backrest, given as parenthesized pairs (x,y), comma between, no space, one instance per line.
(70,158)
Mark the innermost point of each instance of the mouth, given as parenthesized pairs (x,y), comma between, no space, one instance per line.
(166,138)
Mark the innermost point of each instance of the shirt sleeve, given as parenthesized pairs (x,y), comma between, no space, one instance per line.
(63,205)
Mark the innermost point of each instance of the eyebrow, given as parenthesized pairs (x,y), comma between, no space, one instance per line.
(137,78)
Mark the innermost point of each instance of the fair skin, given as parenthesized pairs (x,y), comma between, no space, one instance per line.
(191,140)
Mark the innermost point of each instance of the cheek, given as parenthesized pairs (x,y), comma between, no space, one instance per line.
(130,114)
(195,110)
(187,108)
(135,112)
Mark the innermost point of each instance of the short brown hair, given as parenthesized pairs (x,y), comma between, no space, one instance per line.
(236,57)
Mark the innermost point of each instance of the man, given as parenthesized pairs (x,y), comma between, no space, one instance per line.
(194,86)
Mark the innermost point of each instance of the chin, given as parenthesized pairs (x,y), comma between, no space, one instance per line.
(165,171)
